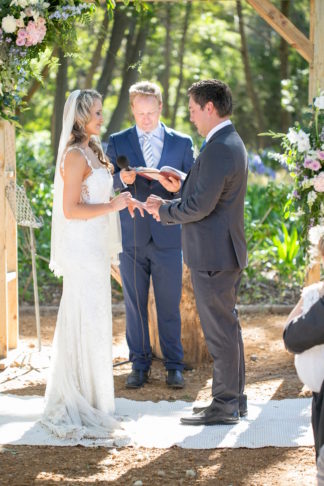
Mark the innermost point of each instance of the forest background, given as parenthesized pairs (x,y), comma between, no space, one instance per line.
(175,44)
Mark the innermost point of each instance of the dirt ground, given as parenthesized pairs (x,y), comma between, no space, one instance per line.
(269,373)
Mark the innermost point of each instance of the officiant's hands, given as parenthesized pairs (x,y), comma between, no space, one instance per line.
(152,206)
(170,183)
(128,176)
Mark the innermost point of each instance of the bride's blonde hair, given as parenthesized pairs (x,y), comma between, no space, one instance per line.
(84,103)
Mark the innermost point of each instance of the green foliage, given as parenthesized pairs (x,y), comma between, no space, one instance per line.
(276,264)
(35,171)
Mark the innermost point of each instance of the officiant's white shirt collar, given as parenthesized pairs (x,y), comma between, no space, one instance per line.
(158,132)
(218,127)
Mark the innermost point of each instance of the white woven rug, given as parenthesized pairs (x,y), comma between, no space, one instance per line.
(284,423)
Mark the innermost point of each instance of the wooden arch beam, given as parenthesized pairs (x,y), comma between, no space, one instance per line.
(284,27)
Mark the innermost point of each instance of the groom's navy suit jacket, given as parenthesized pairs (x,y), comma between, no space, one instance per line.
(178,153)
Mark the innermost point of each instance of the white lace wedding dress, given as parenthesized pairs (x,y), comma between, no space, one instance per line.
(79,399)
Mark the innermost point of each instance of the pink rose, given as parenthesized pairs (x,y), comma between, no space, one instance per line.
(320,154)
(319,182)
(20,41)
(315,165)
(35,33)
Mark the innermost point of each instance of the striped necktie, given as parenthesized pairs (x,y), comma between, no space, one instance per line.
(147,150)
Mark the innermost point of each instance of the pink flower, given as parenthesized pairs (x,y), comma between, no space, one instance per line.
(35,33)
(41,21)
(315,165)
(20,41)
(319,182)
(320,154)
(21,37)
(307,163)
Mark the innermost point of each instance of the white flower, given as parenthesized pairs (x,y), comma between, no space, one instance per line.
(307,183)
(319,101)
(19,3)
(1,92)
(292,135)
(315,234)
(299,212)
(9,24)
(303,144)
(311,198)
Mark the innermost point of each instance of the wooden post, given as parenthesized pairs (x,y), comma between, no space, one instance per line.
(3,256)
(316,85)
(316,67)
(8,243)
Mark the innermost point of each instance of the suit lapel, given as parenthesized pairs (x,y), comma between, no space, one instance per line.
(134,142)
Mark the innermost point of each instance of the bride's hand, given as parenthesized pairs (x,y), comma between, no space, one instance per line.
(121,201)
(133,204)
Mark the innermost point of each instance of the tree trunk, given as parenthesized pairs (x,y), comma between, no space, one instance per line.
(248,75)
(167,61)
(59,101)
(181,58)
(192,337)
(96,58)
(129,78)
(120,24)
(284,67)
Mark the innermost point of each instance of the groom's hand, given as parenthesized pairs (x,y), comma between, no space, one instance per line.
(133,204)
(152,206)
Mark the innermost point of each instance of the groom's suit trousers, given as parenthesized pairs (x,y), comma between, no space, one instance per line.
(216,293)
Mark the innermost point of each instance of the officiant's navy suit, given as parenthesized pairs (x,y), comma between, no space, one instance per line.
(151,249)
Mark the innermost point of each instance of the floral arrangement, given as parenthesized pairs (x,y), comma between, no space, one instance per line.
(26,29)
(303,156)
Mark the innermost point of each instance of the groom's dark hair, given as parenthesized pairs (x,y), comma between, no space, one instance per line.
(215,91)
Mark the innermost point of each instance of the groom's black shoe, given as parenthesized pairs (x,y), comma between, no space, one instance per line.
(243,410)
(212,415)
(175,379)
(136,379)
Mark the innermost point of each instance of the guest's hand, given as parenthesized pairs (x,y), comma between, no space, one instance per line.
(170,183)
(128,176)
(133,204)
(152,206)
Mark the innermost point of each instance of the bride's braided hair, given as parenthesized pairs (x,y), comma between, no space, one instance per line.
(83,106)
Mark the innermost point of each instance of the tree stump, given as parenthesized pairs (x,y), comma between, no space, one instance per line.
(193,341)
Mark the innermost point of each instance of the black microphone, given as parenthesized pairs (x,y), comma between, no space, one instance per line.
(122,162)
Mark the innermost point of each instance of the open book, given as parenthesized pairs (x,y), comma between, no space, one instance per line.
(166,171)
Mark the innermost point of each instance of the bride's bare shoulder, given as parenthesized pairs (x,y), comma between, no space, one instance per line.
(73,159)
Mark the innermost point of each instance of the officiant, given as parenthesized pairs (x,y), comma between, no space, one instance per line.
(149,249)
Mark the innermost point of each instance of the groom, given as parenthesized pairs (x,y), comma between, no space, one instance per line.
(211,211)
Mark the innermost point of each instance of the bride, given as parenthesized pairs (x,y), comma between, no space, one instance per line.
(79,399)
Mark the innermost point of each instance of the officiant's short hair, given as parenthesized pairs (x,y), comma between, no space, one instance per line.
(213,90)
(145,88)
